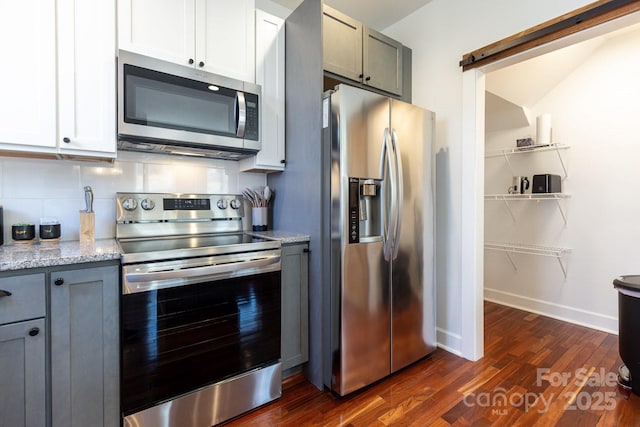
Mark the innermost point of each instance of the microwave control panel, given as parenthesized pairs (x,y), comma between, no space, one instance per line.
(252,126)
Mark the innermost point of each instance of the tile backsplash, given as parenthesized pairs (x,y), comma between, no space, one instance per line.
(31,189)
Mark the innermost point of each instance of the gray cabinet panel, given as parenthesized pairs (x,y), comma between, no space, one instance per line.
(22,374)
(356,52)
(382,61)
(27,299)
(342,44)
(84,347)
(295,312)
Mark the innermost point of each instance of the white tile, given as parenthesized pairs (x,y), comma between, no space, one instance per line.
(67,213)
(1,179)
(20,211)
(107,180)
(251,180)
(24,178)
(220,181)
(105,211)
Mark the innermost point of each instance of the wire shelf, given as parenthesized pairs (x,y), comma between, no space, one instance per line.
(529,149)
(549,251)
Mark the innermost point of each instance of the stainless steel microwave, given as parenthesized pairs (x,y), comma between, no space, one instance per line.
(175,109)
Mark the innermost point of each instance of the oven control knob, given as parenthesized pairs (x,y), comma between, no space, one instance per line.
(222,204)
(235,204)
(129,204)
(147,204)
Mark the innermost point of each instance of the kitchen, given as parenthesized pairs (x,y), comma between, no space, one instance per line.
(55,189)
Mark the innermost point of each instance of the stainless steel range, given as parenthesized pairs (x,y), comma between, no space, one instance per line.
(200,310)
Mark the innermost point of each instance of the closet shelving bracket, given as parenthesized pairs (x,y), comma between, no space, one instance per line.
(531,149)
(506,198)
(510,248)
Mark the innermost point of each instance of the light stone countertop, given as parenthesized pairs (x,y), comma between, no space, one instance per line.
(285,237)
(20,256)
(34,255)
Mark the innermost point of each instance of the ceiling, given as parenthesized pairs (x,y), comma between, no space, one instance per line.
(378,14)
(513,90)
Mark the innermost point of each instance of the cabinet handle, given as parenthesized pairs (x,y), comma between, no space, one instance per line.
(283,161)
(66,140)
(59,281)
(4,293)
(367,79)
(200,64)
(306,250)
(191,61)
(34,331)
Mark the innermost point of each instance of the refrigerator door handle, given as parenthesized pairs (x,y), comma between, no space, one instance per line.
(386,160)
(399,194)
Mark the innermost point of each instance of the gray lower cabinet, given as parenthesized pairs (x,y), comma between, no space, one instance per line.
(295,305)
(23,351)
(84,347)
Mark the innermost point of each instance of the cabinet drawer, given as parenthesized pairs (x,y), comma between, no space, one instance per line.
(23,298)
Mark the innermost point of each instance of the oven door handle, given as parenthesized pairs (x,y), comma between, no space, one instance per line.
(209,270)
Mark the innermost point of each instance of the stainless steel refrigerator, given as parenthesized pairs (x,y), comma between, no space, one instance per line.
(379,307)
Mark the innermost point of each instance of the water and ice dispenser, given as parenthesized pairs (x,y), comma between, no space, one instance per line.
(365,210)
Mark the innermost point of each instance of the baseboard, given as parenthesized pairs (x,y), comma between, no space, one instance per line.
(565,313)
(449,341)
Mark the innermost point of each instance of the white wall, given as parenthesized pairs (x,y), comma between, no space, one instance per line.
(594,109)
(439,34)
(32,189)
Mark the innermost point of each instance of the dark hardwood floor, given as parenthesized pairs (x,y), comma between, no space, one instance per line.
(536,371)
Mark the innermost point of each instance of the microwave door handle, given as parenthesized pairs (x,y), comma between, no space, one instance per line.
(241,114)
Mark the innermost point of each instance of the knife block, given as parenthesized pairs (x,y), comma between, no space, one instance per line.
(87,226)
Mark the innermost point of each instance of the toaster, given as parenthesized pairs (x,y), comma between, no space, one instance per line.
(546,183)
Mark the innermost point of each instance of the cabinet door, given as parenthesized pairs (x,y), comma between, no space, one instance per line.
(27,75)
(22,374)
(341,44)
(225,33)
(84,347)
(295,305)
(270,73)
(382,62)
(87,77)
(163,29)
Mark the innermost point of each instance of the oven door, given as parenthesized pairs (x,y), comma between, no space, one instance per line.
(186,326)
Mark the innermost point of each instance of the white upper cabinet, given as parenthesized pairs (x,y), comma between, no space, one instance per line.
(270,74)
(34,118)
(163,29)
(28,75)
(87,77)
(214,35)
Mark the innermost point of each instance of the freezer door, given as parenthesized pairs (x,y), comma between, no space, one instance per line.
(360,343)
(412,268)
(363,117)
(365,343)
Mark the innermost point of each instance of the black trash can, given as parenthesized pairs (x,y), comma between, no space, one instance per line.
(628,288)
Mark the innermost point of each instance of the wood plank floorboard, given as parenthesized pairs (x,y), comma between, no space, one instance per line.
(536,371)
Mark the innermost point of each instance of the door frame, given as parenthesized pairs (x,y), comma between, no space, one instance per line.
(473,141)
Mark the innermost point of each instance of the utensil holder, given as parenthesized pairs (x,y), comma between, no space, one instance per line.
(259,217)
